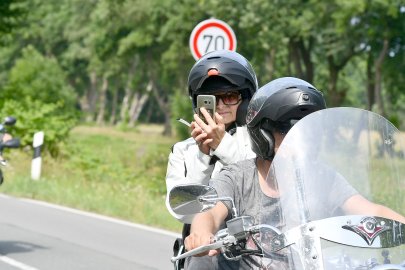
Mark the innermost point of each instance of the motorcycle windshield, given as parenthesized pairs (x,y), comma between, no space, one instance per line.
(326,164)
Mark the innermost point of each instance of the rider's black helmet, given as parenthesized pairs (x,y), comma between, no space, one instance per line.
(276,106)
(223,70)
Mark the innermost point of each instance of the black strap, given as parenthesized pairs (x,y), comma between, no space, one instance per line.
(213,160)
(186,230)
(231,129)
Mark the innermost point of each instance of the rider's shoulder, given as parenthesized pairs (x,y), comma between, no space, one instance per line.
(241,165)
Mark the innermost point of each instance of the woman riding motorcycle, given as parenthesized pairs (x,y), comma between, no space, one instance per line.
(228,76)
(273,110)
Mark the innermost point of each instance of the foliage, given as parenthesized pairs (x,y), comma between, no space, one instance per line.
(11,13)
(41,79)
(35,115)
(130,45)
(38,96)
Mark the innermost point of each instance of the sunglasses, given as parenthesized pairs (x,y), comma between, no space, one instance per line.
(229,98)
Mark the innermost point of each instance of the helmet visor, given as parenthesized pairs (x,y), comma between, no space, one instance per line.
(279,127)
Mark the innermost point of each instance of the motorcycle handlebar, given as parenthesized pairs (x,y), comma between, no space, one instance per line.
(218,244)
(224,239)
(12,143)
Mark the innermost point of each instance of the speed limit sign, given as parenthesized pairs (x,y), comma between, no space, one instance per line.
(211,35)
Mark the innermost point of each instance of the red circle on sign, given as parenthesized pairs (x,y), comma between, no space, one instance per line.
(217,24)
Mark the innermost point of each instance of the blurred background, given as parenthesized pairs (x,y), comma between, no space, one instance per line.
(106,79)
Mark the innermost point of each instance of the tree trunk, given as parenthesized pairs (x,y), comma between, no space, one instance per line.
(167,126)
(306,59)
(149,113)
(102,102)
(161,98)
(125,105)
(88,101)
(128,91)
(370,82)
(269,64)
(300,55)
(114,103)
(378,78)
(164,106)
(295,59)
(289,61)
(335,97)
(332,87)
(138,102)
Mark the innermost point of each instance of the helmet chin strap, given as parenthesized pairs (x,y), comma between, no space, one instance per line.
(270,139)
(241,112)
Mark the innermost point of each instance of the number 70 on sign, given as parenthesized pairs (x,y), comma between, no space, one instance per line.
(211,35)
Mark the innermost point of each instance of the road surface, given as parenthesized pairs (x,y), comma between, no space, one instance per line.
(39,236)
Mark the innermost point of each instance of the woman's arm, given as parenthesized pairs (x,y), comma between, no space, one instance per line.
(204,226)
(358,205)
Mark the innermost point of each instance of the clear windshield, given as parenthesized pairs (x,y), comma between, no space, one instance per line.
(325,159)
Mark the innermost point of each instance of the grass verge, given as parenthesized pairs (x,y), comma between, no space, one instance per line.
(102,170)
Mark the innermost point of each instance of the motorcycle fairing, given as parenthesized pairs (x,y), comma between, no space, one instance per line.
(326,158)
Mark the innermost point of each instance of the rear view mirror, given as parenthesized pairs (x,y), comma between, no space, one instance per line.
(192,199)
(9,120)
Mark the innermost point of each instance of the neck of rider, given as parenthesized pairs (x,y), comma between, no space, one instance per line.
(267,183)
(278,139)
(263,165)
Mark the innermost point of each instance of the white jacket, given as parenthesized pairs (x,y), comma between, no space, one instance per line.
(188,165)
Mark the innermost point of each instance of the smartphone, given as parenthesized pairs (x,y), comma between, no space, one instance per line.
(209,103)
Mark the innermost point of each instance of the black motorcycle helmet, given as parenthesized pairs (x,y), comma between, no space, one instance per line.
(223,70)
(277,106)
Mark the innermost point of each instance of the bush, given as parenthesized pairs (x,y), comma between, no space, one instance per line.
(33,116)
(39,78)
(38,95)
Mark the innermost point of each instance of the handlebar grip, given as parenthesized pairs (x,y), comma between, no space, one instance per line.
(199,250)
(13,143)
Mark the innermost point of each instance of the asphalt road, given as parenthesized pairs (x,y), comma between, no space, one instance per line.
(41,236)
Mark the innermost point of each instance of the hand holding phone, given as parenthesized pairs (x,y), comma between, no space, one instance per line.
(209,103)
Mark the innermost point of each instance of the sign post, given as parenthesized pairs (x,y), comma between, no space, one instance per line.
(36,160)
(211,35)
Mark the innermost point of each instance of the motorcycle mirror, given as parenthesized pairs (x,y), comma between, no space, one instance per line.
(192,199)
(9,120)
(13,143)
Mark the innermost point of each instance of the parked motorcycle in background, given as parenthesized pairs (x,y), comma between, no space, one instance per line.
(6,141)
(357,146)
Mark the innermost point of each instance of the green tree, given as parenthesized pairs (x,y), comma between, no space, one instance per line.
(119,56)
(38,95)
(11,13)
